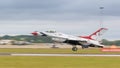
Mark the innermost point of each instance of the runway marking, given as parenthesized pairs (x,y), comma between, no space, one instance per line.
(64,55)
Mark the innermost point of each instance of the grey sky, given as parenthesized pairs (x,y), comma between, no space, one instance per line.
(77,17)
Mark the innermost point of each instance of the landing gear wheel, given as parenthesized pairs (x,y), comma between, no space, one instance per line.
(100,47)
(74,49)
(83,46)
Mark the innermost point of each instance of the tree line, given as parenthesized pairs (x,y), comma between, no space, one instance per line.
(41,39)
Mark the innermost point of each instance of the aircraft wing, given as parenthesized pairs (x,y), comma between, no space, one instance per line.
(75,38)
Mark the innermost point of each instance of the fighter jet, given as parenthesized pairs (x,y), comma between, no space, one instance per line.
(83,41)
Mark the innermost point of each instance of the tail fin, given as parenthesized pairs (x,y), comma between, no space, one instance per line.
(96,35)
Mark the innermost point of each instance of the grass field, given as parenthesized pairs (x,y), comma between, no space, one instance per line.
(50,50)
(59,62)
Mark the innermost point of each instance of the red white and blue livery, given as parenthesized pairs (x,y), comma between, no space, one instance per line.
(84,41)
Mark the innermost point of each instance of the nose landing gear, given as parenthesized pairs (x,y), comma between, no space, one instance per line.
(74,49)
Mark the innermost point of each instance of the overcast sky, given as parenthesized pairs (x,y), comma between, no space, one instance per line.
(76,17)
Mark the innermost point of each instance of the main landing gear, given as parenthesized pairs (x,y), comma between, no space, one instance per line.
(74,49)
(83,47)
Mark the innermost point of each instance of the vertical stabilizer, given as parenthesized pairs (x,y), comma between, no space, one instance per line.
(96,35)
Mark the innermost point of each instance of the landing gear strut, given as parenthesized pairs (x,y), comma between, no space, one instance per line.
(74,49)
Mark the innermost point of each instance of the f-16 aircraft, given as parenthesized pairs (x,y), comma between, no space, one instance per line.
(83,41)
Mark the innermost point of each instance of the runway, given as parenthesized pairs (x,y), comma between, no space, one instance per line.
(65,55)
(20,54)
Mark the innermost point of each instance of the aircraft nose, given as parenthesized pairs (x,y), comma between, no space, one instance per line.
(35,33)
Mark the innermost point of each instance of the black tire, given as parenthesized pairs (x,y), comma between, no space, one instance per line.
(83,46)
(74,49)
(100,47)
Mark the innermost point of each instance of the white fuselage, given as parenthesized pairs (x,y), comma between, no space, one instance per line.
(61,37)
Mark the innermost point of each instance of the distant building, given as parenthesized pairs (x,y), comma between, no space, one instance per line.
(20,43)
(5,42)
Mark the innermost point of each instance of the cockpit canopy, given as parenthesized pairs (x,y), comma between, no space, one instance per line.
(51,31)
